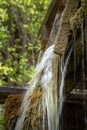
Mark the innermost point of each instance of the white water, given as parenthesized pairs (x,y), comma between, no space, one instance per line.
(74,59)
(63,74)
(44,77)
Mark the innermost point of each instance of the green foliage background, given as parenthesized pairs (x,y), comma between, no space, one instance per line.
(19,44)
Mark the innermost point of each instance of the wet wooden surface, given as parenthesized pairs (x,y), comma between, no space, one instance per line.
(74,112)
(74,115)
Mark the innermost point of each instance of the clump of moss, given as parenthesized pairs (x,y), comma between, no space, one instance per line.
(33,114)
(84,5)
(35,111)
(78,18)
(12,110)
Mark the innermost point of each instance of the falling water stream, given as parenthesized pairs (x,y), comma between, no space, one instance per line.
(63,74)
(74,59)
(44,76)
(49,96)
(47,84)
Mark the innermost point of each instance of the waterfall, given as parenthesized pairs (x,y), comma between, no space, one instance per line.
(63,74)
(44,76)
(74,59)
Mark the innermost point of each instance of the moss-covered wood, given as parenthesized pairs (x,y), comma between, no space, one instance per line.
(63,34)
(73,19)
(78,18)
(33,114)
(12,110)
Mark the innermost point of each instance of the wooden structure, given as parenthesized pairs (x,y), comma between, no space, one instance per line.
(75,96)
(5,91)
(74,112)
(55,7)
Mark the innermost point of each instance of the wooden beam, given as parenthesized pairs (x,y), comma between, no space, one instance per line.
(51,13)
(13,90)
(76,96)
(5,91)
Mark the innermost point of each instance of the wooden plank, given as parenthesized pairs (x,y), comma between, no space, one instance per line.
(53,7)
(74,110)
(76,96)
(12,90)
(73,116)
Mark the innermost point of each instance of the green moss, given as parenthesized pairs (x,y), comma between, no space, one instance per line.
(34,113)
(12,110)
(78,18)
(64,29)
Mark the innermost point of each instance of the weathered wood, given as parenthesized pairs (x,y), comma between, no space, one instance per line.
(74,111)
(62,37)
(54,8)
(5,91)
(76,96)
(72,117)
